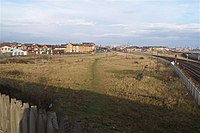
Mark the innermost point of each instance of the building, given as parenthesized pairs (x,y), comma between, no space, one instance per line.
(80,48)
(12,51)
(72,48)
(6,49)
(35,49)
(87,47)
(18,52)
(58,49)
(133,49)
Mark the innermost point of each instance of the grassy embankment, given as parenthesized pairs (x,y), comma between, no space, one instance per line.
(103,91)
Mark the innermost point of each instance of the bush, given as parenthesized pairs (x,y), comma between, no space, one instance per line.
(15,72)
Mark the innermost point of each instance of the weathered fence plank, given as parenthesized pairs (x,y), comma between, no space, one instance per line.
(1,113)
(78,128)
(25,120)
(52,124)
(13,116)
(41,121)
(64,125)
(7,113)
(32,119)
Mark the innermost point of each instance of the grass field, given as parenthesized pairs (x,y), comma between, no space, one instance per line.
(102,90)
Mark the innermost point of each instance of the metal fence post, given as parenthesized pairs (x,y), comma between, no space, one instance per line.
(199,98)
(195,93)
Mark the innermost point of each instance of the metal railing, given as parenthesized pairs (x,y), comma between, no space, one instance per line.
(192,89)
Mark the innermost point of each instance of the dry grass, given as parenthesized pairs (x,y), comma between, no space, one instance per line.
(103,90)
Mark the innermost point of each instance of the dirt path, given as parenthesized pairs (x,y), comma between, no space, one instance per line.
(96,104)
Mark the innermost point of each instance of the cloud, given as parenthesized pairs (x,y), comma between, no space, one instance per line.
(81,22)
(164,30)
(174,27)
(111,35)
(113,21)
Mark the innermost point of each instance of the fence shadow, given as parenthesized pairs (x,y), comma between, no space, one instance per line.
(98,112)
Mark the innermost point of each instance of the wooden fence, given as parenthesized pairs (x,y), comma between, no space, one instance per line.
(18,117)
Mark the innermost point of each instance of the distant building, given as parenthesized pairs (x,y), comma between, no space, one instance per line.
(12,51)
(18,52)
(59,49)
(35,49)
(80,48)
(133,49)
(6,49)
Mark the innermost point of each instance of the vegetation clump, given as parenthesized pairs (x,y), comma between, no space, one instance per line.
(105,92)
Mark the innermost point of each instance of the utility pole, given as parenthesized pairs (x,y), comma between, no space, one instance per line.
(175,58)
(127,50)
(187,57)
(157,61)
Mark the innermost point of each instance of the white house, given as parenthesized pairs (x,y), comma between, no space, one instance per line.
(6,49)
(18,52)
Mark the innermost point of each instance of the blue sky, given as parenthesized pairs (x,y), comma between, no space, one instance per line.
(174,23)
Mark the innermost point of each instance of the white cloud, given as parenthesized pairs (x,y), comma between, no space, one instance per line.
(111,35)
(75,22)
(194,27)
(103,20)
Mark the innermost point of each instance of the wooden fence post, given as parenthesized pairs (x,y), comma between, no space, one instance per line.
(41,121)
(64,125)
(78,128)
(1,112)
(13,116)
(19,115)
(24,121)
(32,119)
(7,113)
(52,124)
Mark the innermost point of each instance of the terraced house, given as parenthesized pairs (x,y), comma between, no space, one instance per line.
(80,48)
(18,49)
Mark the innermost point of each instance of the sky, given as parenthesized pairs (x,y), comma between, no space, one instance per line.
(173,23)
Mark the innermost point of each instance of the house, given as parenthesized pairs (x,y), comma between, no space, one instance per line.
(46,49)
(159,48)
(80,48)
(18,52)
(133,49)
(72,48)
(6,49)
(13,51)
(58,49)
(87,47)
